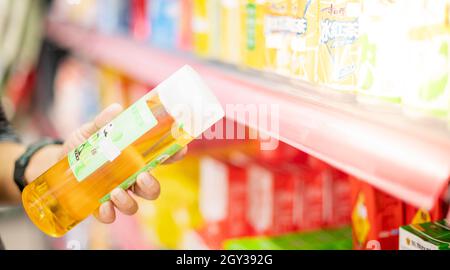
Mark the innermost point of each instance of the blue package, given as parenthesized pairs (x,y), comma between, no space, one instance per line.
(164,21)
(113,16)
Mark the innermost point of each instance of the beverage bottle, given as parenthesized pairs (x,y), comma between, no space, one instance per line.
(140,138)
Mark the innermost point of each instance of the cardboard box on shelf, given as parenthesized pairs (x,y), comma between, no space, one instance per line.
(336,191)
(426,236)
(223,198)
(271,197)
(376,217)
(312,198)
(284,196)
(335,239)
(415,215)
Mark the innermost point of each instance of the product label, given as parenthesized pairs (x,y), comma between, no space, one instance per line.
(261,199)
(304,44)
(360,220)
(339,27)
(151,165)
(251,26)
(383,39)
(421,216)
(107,144)
(426,236)
(213,201)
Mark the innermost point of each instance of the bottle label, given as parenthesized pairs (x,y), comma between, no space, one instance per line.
(170,151)
(107,144)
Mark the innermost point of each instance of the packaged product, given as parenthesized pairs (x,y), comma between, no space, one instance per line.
(230,29)
(304,42)
(165,22)
(206,28)
(253,42)
(186,34)
(418,215)
(223,197)
(376,217)
(336,239)
(139,26)
(277,199)
(276,35)
(428,90)
(426,236)
(167,221)
(339,51)
(383,41)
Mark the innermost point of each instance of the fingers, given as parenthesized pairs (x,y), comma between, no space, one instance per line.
(85,131)
(103,118)
(147,187)
(124,202)
(178,156)
(106,213)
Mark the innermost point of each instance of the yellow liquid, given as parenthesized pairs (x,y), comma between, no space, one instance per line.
(56,201)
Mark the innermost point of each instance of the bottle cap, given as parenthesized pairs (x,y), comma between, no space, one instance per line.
(188,99)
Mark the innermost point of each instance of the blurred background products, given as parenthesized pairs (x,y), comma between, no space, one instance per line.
(388,59)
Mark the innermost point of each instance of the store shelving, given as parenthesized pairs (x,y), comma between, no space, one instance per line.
(404,157)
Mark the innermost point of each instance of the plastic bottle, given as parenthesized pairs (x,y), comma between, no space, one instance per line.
(140,138)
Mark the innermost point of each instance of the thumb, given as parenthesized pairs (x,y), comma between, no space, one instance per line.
(86,130)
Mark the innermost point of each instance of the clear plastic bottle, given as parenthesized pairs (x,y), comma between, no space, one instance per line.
(140,138)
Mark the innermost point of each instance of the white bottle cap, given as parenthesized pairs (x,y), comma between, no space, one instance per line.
(189,101)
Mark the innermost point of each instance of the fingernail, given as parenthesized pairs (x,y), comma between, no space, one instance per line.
(119,194)
(103,209)
(147,180)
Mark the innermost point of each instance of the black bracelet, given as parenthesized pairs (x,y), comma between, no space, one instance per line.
(22,162)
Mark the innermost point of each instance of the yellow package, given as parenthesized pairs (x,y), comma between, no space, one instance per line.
(429,89)
(111,87)
(176,211)
(338,47)
(304,40)
(206,28)
(252,42)
(200,27)
(215,30)
(277,34)
(230,25)
(383,42)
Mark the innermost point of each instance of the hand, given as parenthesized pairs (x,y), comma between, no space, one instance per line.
(146,185)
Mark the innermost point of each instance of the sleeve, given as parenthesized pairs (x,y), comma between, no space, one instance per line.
(6,131)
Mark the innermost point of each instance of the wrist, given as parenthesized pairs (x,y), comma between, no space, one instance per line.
(42,160)
(26,170)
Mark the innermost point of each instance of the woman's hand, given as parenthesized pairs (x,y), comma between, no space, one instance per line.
(146,185)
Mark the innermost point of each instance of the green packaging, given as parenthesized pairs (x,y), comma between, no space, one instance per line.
(425,236)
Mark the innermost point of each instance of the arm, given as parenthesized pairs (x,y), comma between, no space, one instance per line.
(9,153)
(146,186)
(10,150)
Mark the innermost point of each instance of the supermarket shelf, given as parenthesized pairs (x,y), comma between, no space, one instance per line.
(403,157)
